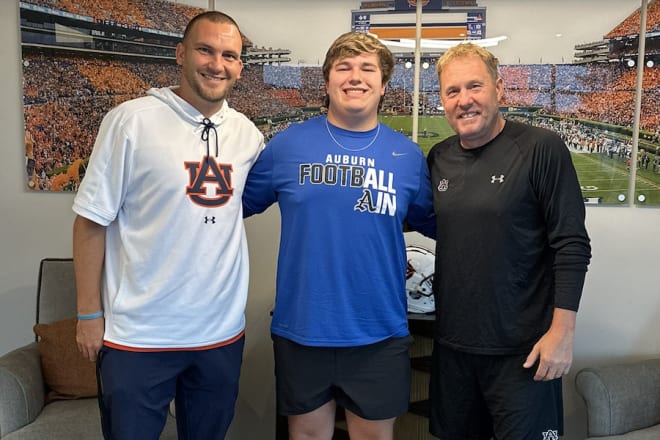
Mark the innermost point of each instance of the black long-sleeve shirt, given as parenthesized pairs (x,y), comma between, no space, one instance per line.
(511,240)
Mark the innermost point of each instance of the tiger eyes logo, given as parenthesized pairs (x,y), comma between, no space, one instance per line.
(210,182)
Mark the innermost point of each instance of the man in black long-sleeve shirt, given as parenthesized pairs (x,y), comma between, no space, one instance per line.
(511,257)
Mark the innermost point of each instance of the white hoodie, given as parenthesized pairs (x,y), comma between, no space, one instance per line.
(176,262)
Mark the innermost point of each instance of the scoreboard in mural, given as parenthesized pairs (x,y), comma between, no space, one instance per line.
(437,23)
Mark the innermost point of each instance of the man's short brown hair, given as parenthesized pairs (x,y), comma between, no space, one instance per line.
(352,44)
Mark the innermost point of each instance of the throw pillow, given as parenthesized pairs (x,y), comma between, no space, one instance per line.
(66,373)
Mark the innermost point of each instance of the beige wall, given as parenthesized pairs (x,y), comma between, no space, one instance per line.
(620,313)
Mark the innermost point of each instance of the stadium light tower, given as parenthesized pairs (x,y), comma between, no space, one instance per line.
(425,66)
(408,66)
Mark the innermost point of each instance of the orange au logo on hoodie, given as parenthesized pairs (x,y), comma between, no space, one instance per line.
(210,182)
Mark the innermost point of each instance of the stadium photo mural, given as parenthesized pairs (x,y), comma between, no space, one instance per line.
(80,59)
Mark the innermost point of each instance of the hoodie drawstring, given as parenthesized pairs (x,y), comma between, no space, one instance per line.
(208,126)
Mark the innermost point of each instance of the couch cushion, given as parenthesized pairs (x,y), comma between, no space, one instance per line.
(652,433)
(66,373)
(73,420)
(621,398)
(60,420)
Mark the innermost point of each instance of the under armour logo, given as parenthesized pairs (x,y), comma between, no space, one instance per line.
(494,179)
(443,185)
(209,219)
(550,435)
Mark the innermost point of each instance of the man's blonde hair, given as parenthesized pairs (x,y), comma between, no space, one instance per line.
(468,50)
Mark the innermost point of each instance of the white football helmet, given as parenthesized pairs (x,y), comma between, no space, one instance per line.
(419,280)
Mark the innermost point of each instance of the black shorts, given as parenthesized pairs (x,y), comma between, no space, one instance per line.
(371,381)
(474,397)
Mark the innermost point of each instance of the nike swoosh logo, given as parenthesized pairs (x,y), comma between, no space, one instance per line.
(395,154)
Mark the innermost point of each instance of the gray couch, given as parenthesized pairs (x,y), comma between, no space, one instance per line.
(23,414)
(623,401)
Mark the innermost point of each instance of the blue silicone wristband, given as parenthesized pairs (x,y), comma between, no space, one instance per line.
(90,316)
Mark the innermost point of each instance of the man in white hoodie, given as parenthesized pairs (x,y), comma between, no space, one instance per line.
(159,246)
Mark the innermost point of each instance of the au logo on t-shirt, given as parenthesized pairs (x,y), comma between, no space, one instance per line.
(210,182)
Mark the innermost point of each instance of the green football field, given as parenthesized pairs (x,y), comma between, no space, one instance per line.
(602,179)
(436,128)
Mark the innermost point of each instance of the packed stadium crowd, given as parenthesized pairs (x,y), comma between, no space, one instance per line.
(65,99)
(598,91)
(630,26)
(162,15)
(253,97)
(65,95)
(312,86)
